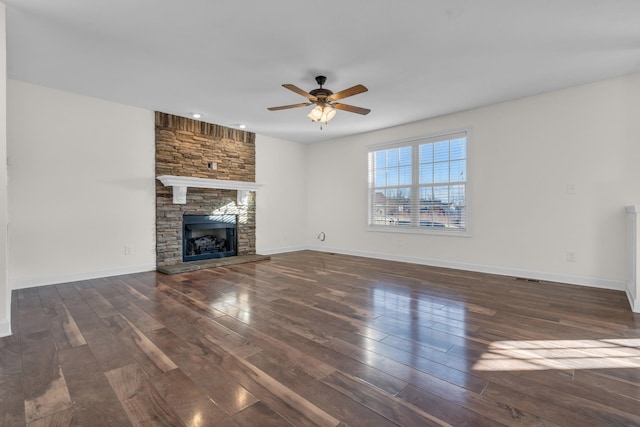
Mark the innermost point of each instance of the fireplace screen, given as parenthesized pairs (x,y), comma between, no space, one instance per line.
(208,236)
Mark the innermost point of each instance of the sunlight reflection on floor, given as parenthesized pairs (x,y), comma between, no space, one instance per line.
(560,354)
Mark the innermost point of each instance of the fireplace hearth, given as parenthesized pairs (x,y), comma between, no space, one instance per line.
(208,237)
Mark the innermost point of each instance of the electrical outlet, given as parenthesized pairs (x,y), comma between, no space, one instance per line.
(128,250)
(571,256)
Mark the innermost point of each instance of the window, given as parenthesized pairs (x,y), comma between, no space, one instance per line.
(419,185)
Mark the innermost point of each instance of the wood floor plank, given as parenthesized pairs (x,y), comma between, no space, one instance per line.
(66,417)
(442,409)
(141,320)
(316,392)
(201,364)
(291,405)
(141,401)
(105,346)
(544,409)
(63,327)
(220,384)
(45,388)
(10,353)
(260,411)
(395,410)
(127,289)
(327,359)
(30,314)
(12,408)
(536,390)
(611,384)
(96,301)
(150,357)
(312,338)
(94,400)
(187,399)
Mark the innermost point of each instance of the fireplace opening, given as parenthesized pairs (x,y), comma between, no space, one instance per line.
(208,236)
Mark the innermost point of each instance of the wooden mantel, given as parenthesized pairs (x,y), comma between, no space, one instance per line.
(181,183)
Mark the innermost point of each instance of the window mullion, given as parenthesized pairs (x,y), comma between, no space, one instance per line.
(415,187)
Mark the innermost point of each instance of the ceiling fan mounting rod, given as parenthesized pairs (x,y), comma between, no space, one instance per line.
(321,80)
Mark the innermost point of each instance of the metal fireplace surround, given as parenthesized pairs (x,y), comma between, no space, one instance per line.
(209,236)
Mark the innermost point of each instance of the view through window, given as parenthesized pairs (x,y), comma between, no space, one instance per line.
(419,185)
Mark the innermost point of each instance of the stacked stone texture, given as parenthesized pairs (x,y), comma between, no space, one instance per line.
(183,148)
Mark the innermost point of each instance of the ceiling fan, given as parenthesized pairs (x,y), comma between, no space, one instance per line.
(325,101)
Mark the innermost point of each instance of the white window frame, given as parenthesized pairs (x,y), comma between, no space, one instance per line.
(415,185)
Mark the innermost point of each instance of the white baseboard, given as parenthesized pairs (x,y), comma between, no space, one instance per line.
(5,329)
(633,302)
(281,250)
(74,277)
(617,285)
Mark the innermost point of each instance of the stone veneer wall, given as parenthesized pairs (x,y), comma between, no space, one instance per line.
(183,148)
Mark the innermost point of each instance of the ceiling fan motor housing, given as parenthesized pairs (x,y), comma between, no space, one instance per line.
(321,93)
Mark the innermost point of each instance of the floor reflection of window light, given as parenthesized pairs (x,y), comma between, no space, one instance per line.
(560,354)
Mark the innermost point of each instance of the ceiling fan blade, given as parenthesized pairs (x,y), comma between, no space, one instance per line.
(351,108)
(284,107)
(347,92)
(299,91)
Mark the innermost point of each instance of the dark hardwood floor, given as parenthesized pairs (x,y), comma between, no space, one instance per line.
(311,338)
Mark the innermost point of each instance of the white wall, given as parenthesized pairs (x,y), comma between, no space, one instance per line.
(81,186)
(522,156)
(281,208)
(5,290)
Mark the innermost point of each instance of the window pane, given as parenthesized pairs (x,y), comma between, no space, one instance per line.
(381,159)
(405,156)
(457,195)
(441,172)
(405,175)
(426,174)
(441,151)
(426,153)
(430,209)
(396,207)
(426,200)
(441,195)
(392,157)
(459,219)
(426,194)
(381,178)
(457,171)
(392,176)
(459,148)
(379,208)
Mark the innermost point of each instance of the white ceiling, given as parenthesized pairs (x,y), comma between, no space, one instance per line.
(227,59)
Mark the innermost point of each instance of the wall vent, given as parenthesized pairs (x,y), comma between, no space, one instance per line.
(524,279)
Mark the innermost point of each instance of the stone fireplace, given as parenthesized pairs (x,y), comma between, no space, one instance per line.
(213,166)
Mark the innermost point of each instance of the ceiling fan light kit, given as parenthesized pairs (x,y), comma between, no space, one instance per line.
(324,100)
(322,114)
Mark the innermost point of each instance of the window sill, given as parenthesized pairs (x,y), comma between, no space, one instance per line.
(416,230)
